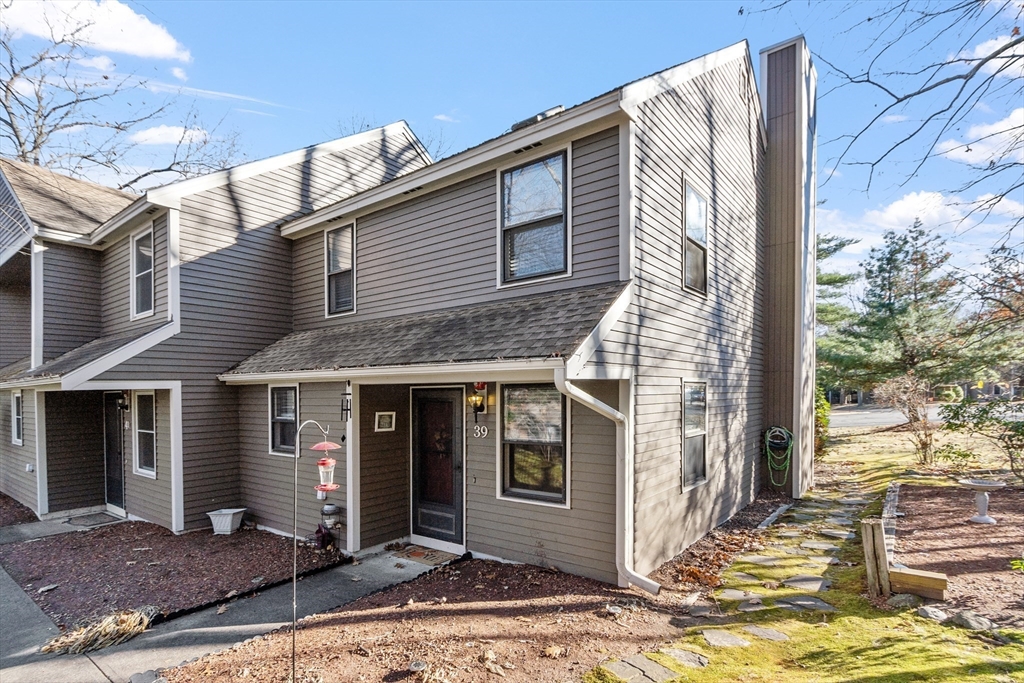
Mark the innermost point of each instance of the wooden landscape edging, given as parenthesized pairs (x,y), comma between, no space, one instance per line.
(884,575)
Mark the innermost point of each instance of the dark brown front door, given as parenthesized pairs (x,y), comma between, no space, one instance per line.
(113,445)
(437,464)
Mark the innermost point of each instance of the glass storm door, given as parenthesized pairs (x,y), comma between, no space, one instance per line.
(437,464)
(113,447)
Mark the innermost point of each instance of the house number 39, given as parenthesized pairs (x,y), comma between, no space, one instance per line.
(479,431)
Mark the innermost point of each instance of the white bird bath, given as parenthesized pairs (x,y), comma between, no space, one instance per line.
(981,488)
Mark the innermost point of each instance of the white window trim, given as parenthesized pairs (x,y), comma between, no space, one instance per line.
(682,431)
(707,243)
(136,468)
(148,229)
(327,282)
(500,261)
(499,466)
(15,417)
(270,420)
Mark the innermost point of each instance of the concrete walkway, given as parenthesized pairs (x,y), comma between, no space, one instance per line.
(24,627)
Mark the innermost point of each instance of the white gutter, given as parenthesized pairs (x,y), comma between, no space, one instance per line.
(623,482)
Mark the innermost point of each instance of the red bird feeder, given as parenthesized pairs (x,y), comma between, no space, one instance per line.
(326,468)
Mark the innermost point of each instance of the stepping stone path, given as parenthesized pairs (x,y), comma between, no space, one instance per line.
(734,594)
(854,501)
(791,534)
(796,551)
(819,545)
(752,606)
(640,669)
(801,517)
(804,603)
(765,633)
(746,578)
(723,639)
(685,657)
(763,560)
(838,533)
(806,582)
(840,521)
(700,611)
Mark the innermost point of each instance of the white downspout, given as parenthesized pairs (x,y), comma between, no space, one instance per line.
(623,482)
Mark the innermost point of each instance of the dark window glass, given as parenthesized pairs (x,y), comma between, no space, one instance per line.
(533,219)
(695,271)
(533,442)
(282,419)
(695,404)
(145,430)
(339,270)
(143,255)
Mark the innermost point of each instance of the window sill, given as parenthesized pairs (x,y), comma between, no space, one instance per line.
(533,501)
(691,487)
(283,454)
(144,473)
(139,316)
(17,443)
(341,314)
(533,281)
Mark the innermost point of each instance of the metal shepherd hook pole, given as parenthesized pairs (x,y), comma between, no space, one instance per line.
(295,528)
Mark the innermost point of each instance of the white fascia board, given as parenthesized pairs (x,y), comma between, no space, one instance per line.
(122,218)
(171,195)
(8,252)
(636,93)
(97,367)
(48,383)
(398,374)
(460,166)
(577,361)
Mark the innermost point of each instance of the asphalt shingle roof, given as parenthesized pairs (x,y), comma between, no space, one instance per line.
(56,202)
(539,326)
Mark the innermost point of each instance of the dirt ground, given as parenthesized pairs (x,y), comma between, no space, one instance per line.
(936,536)
(134,564)
(12,512)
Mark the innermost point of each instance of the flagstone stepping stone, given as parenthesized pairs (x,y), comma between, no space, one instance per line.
(854,501)
(819,545)
(791,534)
(806,582)
(765,633)
(763,560)
(640,668)
(745,577)
(838,533)
(700,611)
(796,551)
(827,559)
(933,613)
(723,639)
(685,657)
(802,518)
(805,603)
(735,594)
(752,606)
(841,521)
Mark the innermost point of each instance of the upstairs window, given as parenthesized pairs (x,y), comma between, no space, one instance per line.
(695,434)
(340,281)
(17,419)
(145,434)
(533,443)
(142,274)
(283,415)
(533,221)
(695,245)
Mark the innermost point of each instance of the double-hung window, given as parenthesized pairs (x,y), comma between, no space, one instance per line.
(17,419)
(695,435)
(340,281)
(695,241)
(533,458)
(283,415)
(533,220)
(142,274)
(145,433)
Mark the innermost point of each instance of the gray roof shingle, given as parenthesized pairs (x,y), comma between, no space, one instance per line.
(539,326)
(56,202)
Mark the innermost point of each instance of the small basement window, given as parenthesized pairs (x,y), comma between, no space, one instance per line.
(695,275)
(533,219)
(17,419)
(283,415)
(533,458)
(340,280)
(142,274)
(145,433)
(695,419)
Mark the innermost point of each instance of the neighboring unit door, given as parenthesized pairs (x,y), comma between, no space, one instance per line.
(437,464)
(113,446)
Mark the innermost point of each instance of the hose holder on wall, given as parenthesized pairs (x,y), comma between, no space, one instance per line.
(778,446)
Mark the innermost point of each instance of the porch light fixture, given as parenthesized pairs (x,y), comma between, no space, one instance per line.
(477,400)
(330,515)
(123,404)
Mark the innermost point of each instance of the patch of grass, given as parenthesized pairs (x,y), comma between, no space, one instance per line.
(601,675)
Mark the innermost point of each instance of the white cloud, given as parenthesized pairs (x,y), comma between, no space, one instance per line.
(1015,57)
(179,73)
(253,111)
(23,87)
(445,118)
(100,63)
(110,26)
(168,135)
(894,118)
(988,142)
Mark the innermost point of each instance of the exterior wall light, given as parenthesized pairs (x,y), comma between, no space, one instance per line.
(478,401)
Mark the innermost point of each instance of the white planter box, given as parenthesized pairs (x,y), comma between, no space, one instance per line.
(226,520)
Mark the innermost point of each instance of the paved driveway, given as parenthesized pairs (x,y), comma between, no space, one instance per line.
(872,416)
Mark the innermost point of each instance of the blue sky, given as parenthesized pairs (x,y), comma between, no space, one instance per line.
(286,75)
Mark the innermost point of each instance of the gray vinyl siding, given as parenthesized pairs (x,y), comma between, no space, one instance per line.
(236,297)
(14,480)
(383,465)
(15,322)
(706,131)
(145,497)
(440,250)
(580,540)
(268,480)
(75,469)
(116,284)
(71,298)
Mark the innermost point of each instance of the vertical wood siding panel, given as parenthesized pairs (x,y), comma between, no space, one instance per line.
(71,298)
(75,469)
(384,465)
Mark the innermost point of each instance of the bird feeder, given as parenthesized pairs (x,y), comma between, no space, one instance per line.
(326,468)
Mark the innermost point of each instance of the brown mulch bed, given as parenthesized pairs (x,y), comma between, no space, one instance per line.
(542,626)
(134,564)
(699,567)
(936,536)
(12,512)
